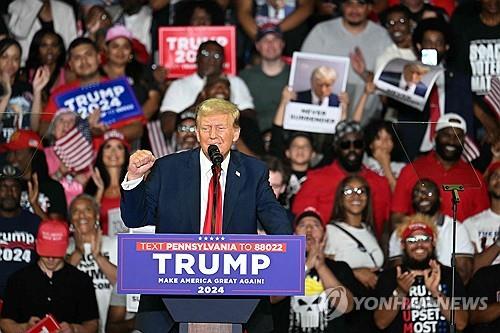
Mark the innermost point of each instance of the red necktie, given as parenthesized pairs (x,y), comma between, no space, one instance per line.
(434,111)
(213,220)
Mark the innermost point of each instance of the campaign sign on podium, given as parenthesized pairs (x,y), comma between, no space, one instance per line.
(211,264)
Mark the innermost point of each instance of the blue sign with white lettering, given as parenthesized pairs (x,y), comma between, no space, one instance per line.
(211,264)
(115,98)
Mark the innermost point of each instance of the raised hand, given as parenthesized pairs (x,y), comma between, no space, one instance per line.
(432,276)
(41,78)
(7,87)
(344,98)
(33,190)
(96,127)
(370,87)
(96,177)
(140,163)
(287,95)
(358,61)
(405,280)
(96,242)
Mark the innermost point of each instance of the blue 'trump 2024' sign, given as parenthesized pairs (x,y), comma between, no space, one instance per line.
(115,98)
(210,264)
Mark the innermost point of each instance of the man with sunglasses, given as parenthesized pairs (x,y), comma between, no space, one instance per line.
(418,291)
(426,200)
(182,93)
(321,184)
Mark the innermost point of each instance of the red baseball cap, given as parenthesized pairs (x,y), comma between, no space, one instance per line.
(116,135)
(52,239)
(416,226)
(22,139)
(308,212)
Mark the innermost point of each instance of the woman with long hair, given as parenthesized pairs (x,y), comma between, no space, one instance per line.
(121,61)
(351,238)
(110,169)
(20,102)
(350,234)
(47,49)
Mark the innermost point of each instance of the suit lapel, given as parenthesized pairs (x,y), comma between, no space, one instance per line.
(232,192)
(193,189)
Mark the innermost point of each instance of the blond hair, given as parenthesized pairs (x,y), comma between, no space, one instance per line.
(324,73)
(216,106)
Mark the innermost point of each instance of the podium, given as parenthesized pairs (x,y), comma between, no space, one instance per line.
(225,315)
(207,283)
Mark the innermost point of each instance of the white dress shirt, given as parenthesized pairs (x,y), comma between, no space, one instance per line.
(315,100)
(205,176)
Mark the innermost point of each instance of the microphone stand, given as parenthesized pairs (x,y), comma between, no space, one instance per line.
(455,199)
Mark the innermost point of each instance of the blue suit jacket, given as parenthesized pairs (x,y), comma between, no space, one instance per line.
(420,89)
(306,97)
(170,197)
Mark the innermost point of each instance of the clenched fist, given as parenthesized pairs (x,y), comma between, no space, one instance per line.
(140,162)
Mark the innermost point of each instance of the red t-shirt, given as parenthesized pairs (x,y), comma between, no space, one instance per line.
(473,199)
(448,5)
(319,191)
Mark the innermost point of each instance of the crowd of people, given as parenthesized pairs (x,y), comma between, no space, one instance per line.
(368,198)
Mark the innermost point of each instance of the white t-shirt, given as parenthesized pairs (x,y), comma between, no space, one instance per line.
(372,164)
(140,25)
(483,230)
(182,93)
(393,52)
(103,288)
(344,248)
(444,242)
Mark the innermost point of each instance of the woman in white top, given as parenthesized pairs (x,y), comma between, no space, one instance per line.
(350,235)
(92,252)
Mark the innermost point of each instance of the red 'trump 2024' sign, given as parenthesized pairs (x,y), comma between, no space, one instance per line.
(178,47)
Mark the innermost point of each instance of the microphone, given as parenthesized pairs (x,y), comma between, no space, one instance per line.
(215,155)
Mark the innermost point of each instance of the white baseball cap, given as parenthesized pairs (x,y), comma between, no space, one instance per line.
(451,120)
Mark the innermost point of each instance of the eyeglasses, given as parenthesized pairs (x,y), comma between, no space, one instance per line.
(418,239)
(186,129)
(392,23)
(346,144)
(350,191)
(425,193)
(213,55)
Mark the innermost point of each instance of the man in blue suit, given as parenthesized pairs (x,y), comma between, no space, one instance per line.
(322,80)
(172,192)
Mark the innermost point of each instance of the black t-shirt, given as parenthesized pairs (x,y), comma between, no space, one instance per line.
(69,295)
(309,314)
(142,83)
(420,311)
(486,283)
(475,50)
(20,100)
(51,197)
(17,244)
